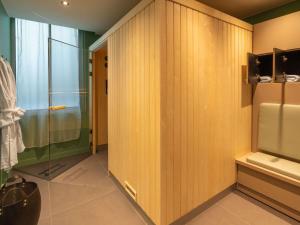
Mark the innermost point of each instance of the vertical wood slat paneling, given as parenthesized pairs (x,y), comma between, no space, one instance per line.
(177,112)
(133,116)
(100,77)
(169,141)
(196,49)
(184,100)
(94,111)
(208,112)
(204,108)
(153,116)
(190,108)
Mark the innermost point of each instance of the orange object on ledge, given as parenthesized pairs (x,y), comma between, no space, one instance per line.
(58,107)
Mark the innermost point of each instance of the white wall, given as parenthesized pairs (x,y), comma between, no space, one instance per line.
(282,32)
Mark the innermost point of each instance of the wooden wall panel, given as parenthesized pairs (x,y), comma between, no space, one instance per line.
(281,32)
(207,115)
(134,153)
(179,112)
(101,97)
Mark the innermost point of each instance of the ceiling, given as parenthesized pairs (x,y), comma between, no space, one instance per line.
(100,15)
(245,8)
(90,15)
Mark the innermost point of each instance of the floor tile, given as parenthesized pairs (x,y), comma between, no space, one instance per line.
(216,215)
(254,212)
(86,194)
(66,196)
(89,172)
(113,209)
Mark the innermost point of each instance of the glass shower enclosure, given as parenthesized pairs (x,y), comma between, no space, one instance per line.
(57,138)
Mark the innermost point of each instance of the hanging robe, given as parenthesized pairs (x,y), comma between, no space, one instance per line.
(11,135)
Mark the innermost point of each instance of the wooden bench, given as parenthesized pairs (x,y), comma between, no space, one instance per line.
(276,187)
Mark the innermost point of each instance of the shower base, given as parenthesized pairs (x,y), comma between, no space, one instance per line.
(51,169)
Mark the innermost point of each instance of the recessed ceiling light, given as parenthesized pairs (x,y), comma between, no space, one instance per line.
(65,3)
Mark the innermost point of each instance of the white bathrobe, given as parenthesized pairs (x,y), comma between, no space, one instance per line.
(11,135)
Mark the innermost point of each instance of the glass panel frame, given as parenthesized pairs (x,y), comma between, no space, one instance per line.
(69,124)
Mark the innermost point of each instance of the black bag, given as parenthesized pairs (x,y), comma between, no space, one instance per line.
(20,203)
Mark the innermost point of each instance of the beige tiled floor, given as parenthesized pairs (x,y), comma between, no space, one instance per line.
(85,194)
(239,209)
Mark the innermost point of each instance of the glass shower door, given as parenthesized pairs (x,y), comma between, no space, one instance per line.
(68,106)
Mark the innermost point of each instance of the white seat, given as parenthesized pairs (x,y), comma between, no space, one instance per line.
(278,129)
(276,164)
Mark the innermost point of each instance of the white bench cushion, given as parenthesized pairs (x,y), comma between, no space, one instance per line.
(269,127)
(276,164)
(279,129)
(291,131)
